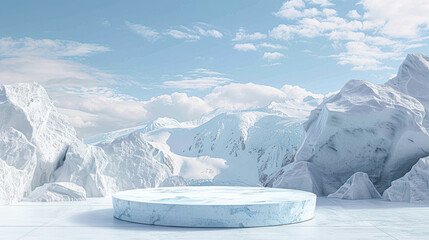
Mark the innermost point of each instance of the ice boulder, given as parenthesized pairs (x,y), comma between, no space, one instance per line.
(365,128)
(413,187)
(358,186)
(413,79)
(27,108)
(300,175)
(125,163)
(85,165)
(18,162)
(174,181)
(56,192)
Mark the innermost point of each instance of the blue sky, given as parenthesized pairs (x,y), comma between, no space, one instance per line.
(99,52)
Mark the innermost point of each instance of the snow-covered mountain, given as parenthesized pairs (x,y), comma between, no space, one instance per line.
(413,79)
(365,135)
(254,144)
(33,139)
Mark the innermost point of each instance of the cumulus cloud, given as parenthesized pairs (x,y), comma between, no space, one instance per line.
(98,110)
(10,47)
(144,31)
(398,18)
(177,105)
(272,55)
(242,35)
(245,47)
(296,9)
(322,3)
(236,96)
(282,32)
(353,14)
(364,42)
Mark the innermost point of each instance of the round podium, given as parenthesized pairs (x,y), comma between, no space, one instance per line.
(212,206)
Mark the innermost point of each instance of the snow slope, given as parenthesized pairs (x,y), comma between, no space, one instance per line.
(365,128)
(159,123)
(254,144)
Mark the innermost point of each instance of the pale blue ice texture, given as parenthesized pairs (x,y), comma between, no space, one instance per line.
(214,206)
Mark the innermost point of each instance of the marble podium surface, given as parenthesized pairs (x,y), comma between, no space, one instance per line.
(213,206)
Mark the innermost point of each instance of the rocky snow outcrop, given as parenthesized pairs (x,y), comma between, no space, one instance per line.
(300,175)
(57,192)
(126,163)
(413,187)
(33,139)
(368,128)
(413,79)
(174,181)
(358,186)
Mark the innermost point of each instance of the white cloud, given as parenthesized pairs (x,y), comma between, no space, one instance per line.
(98,110)
(353,14)
(189,34)
(10,47)
(179,106)
(375,32)
(297,92)
(282,32)
(245,47)
(346,35)
(272,46)
(200,83)
(51,73)
(272,55)
(398,18)
(236,96)
(323,3)
(209,33)
(294,9)
(197,79)
(144,31)
(106,23)
(242,35)
(181,35)
(363,57)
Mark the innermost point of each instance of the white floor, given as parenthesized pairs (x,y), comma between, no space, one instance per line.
(335,219)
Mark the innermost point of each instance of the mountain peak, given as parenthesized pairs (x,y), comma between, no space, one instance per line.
(413,79)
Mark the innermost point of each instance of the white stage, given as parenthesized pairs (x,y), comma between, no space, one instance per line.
(334,219)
